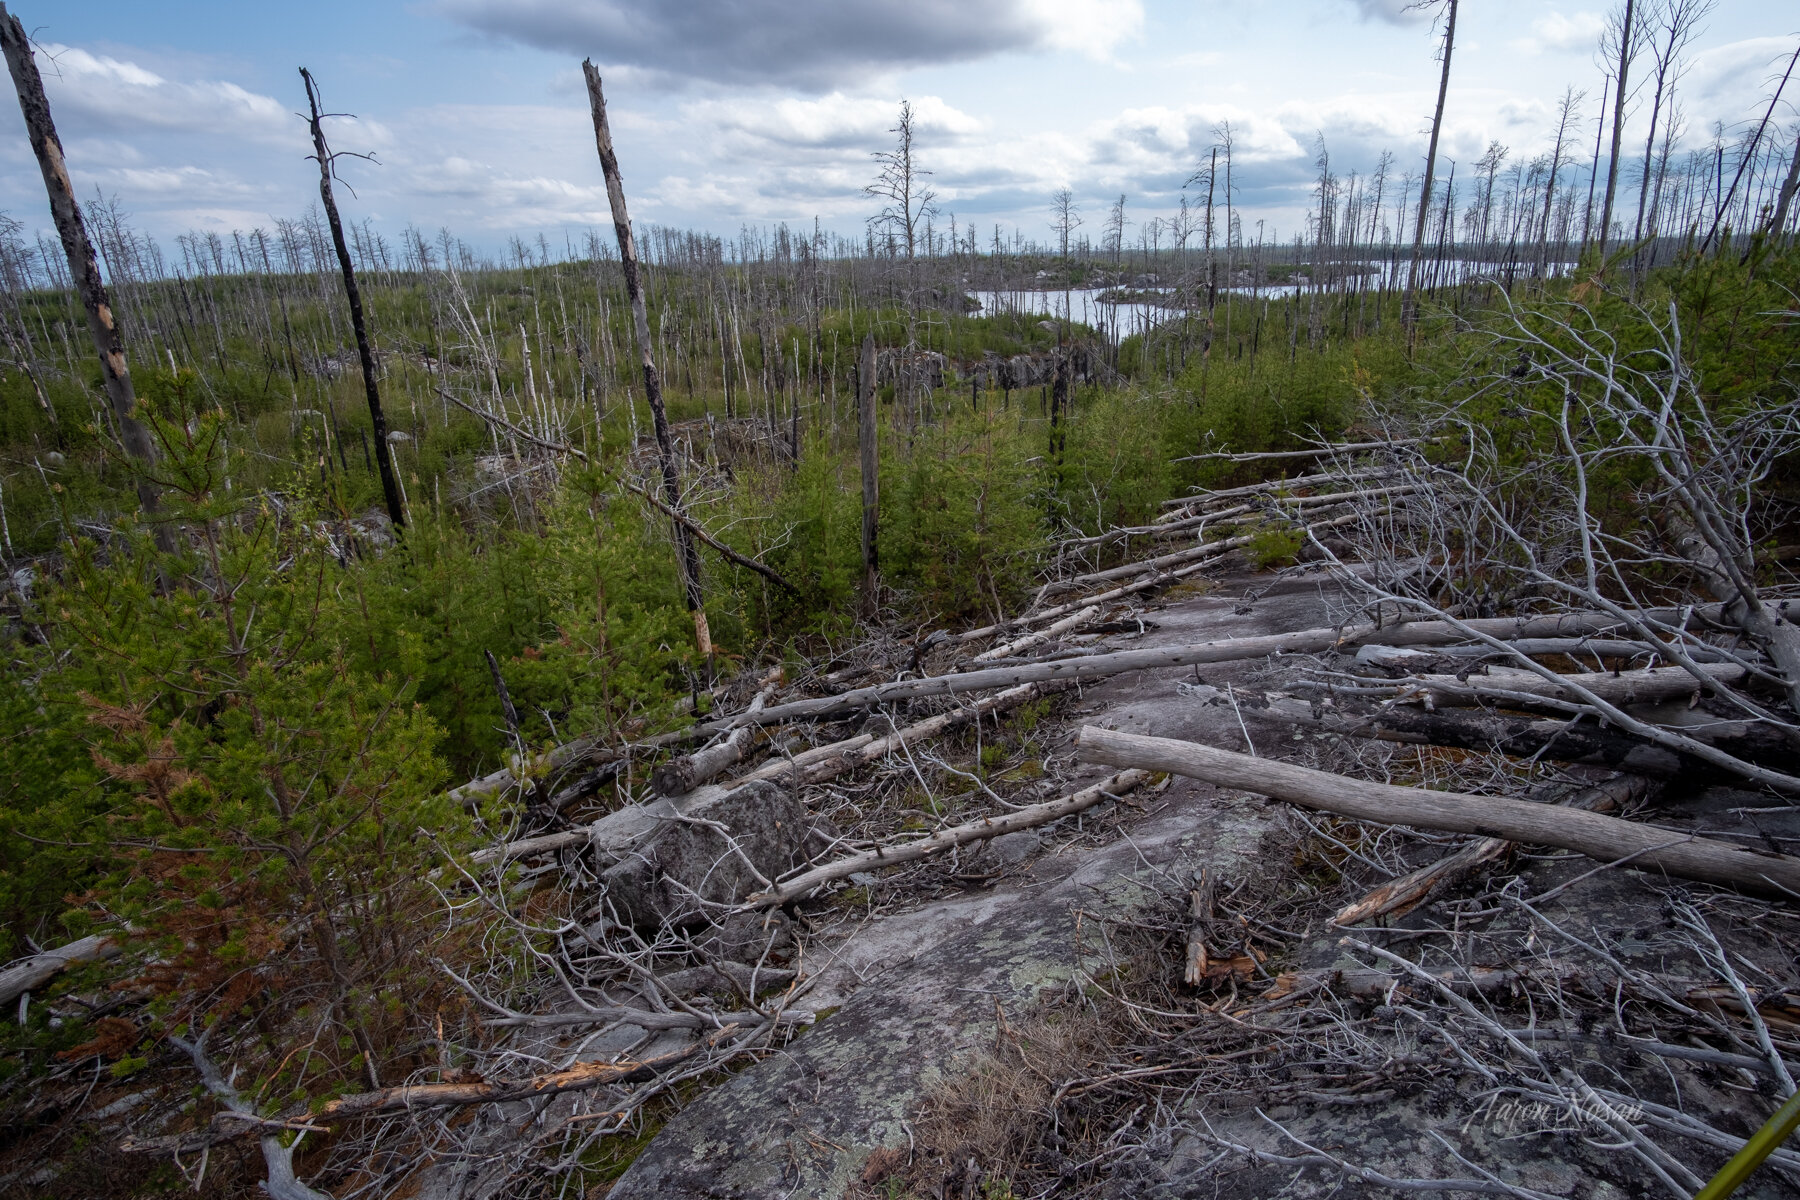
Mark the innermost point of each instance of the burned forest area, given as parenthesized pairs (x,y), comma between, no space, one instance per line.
(1135,708)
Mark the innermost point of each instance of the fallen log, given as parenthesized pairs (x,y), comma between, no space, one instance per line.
(1173,559)
(579,1078)
(803,885)
(616,833)
(1210,496)
(1099,666)
(1402,895)
(1148,583)
(1651,686)
(1072,621)
(32,972)
(1585,741)
(1163,527)
(1581,649)
(1463,729)
(1607,839)
(683,774)
(1320,452)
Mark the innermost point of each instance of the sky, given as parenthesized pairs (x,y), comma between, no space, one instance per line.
(735,112)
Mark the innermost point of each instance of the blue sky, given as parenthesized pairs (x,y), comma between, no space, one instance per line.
(753,111)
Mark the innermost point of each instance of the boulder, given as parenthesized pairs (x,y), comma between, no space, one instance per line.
(711,856)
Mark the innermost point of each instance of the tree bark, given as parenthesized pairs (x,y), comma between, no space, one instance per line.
(1606,839)
(84,266)
(869,455)
(640,322)
(384,459)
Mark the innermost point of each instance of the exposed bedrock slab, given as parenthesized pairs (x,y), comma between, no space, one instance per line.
(803,1122)
(918,990)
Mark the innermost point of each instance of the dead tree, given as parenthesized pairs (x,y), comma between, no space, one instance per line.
(384,461)
(84,267)
(1622,35)
(1409,302)
(1678,24)
(869,454)
(665,445)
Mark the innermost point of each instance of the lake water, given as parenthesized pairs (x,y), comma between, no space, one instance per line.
(1118,321)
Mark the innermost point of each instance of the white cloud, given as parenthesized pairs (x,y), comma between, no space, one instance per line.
(1396,12)
(1091,27)
(94,92)
(1561,31)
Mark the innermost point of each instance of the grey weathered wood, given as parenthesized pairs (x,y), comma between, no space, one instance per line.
(801,886)
(1624,687)
(640,324)
(1400,895)
(33,972)
(619,832)
(1306,641)
(1606,839)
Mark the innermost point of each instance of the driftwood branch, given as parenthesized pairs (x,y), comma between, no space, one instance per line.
(615,832)
(1306,641)
(1607,839)
(33,972)
(1317,452)
(1063,626)
(579,1078)
(1401,895)
(277,1158)
(804,885)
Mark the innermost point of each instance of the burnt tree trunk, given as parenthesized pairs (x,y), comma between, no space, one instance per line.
(84,267)
(869,455)
(384,459)
(1409,303)
(665,447)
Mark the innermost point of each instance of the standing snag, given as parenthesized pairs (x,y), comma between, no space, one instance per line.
(640,324)
(390,485)
(1409,302)
(84,267)
(870,458)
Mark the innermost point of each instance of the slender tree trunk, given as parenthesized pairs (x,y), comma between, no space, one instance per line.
(665,448)
(384,460)
(1627,34)
(1750,152)
(1587,214)
(84,267)
(1778,219)
(869,455)
(1409,302)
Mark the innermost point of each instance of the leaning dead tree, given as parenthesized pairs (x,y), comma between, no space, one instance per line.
(1409,303)
(327,160)
(640,324)
(84,267)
